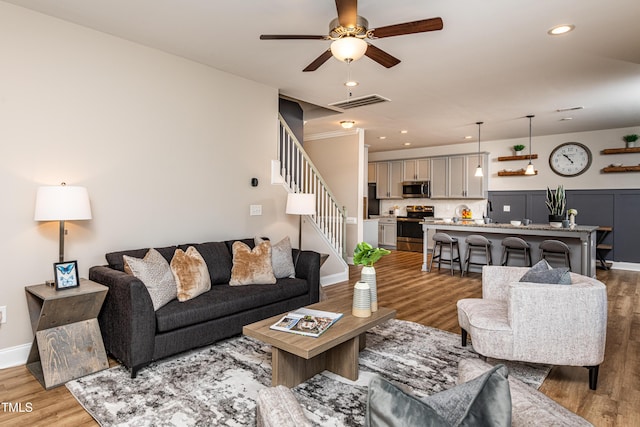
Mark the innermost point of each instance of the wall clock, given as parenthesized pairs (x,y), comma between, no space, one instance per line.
(570,159)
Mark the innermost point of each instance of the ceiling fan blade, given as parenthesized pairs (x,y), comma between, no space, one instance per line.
(319,61)
(381,57)
(347,12)
(433,24)
(290,37)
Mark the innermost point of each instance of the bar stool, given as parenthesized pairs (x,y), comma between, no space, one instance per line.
(440,240)
(476,242)
(516,245)
(556,248)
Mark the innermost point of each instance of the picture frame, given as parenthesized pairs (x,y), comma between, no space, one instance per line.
(66,275)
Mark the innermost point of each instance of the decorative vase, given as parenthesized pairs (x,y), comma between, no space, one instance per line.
(368,275)
(631,144)
(519,153)
(361,300)
(572,220)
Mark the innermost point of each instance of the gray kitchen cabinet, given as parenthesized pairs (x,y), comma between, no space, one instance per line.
(389,179)
(454,177)
(371,173)
(417,170)
(387,232)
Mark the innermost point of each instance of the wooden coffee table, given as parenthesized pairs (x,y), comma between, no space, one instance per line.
(296,358)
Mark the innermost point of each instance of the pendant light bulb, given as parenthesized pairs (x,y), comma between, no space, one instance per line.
(479,172)
(530,170)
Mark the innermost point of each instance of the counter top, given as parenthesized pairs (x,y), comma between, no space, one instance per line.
(532,227)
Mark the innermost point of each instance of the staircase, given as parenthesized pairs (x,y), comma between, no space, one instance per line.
(299,175)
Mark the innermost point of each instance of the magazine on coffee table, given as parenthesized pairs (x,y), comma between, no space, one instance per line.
(305,321)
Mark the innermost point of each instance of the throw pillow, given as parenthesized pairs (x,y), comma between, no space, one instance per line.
(543,273)
(484,401)
(281,258)
(191,273)
(251,267)
(154,271)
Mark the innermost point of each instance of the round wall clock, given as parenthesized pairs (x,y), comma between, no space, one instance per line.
(570,159)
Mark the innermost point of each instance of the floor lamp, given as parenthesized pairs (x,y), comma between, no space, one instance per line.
(62,203)
(301,204)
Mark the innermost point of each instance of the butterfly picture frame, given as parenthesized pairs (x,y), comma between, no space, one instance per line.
(66,274)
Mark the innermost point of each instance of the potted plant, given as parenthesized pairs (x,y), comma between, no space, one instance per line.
(556,203)
(366,255)
(518,149)
(630,140)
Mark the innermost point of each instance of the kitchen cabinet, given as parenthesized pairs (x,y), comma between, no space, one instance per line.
(417,170)
(454,177)
(387,232)
(371,173)
(389,179)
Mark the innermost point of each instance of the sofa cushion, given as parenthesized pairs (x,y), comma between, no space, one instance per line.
(191,273)
(485,401)
(542,272)
(281,258)
(154,271)
(217,256)
(225,300)
(115,260)
(252,266)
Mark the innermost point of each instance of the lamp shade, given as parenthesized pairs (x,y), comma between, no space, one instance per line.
(349,48)
(61,203)
(301,204)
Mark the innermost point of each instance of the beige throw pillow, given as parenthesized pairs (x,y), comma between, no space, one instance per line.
(191,273)
(154,271)
(251,267)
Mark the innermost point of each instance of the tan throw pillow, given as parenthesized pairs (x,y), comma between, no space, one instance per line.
(251,267)
(154,271)
(191,273)
(281,258)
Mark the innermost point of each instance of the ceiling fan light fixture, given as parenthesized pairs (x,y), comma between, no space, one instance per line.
(347,124)
(348,48)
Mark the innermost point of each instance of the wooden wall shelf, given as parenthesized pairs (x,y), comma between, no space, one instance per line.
(621,150)
(613,169)
(513,173)
(523,157)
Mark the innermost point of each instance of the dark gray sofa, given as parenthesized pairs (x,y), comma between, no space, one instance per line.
(135,335)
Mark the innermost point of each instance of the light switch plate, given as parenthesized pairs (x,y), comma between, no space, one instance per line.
(506,208)
(352,220)
(255,210)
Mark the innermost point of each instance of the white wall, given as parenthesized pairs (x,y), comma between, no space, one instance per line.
(161,143)
(542,145)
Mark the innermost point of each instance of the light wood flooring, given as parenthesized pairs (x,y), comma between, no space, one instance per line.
(430,299)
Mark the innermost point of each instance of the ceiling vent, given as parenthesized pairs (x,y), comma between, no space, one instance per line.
(359,102)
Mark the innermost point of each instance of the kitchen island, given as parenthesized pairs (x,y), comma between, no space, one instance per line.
(581,239)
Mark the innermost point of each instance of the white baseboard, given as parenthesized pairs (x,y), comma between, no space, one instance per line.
(631,266)
(332,279)
(14,356)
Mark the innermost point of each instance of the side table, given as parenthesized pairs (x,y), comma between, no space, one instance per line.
(67,343)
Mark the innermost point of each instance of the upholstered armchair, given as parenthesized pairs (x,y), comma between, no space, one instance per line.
(535,322)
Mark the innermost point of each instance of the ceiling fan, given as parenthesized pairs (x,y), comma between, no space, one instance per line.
(348,33)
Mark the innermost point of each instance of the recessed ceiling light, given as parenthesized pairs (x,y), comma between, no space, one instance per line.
(382,137)
(560,110)
(404,131)
(561,29)
(347,124)
(566,118)
(407,143)
(351,83)
(468,137)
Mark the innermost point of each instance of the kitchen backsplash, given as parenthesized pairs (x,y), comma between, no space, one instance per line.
(443,208)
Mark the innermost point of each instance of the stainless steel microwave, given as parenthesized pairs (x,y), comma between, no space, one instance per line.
(416,189)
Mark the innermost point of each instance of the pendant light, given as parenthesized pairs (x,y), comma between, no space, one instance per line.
(530,170)
(479,168)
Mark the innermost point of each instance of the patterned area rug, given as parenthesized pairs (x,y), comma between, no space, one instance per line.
(217,385)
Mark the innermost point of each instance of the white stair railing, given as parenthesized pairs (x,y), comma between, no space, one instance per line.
(301,176)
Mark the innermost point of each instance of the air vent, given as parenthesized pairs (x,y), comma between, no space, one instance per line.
(359,102)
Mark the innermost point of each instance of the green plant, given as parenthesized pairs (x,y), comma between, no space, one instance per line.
(365,254)
(518,147)
(630,138)
(556,200)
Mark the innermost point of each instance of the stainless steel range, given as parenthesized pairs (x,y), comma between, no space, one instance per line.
(410,234)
